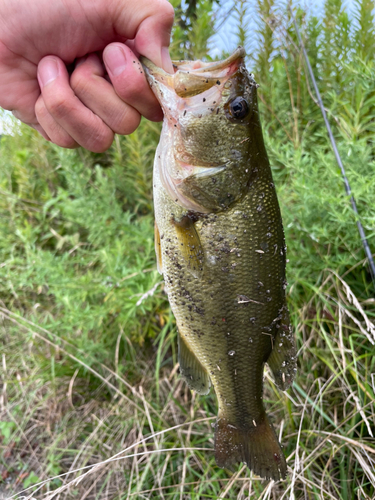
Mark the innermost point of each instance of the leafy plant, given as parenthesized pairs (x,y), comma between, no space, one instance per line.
(89,361)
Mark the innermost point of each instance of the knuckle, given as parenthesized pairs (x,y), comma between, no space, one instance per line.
(164,9)
(58,105)
(168,12)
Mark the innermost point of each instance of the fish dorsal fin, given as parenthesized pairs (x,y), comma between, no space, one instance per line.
(191,369)
(282,359)
(189,245)
(158,249)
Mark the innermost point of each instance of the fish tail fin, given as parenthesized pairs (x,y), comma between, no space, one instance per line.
(256,445)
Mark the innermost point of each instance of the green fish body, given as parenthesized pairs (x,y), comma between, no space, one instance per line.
(220,246)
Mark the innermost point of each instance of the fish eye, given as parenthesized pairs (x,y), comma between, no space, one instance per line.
(239,108)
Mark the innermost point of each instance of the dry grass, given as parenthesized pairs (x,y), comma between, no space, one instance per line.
(80,444)
(91,405)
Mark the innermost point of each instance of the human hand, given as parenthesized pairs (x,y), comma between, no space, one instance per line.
(107,91)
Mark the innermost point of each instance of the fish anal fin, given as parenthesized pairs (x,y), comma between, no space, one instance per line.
(282,360)
(189,244)
(158,249)
(191,369)
(256,445)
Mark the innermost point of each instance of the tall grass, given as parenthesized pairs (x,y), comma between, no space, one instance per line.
(91,404)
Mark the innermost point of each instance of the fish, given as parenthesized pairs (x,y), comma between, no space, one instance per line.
(220,246)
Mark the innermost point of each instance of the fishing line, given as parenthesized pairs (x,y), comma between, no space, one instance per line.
(337,154)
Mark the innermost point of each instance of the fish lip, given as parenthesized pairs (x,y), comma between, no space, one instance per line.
(154,72)
(239,53)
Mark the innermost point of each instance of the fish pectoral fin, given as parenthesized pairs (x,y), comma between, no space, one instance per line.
(189,245)
(191,369)
(282,360)
(158,249)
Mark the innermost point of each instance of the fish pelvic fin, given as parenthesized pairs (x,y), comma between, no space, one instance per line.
(282,359)
(255,445)
(158,249)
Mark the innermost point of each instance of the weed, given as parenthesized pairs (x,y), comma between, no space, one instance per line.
(91,405)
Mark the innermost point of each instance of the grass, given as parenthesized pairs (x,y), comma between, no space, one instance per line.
(91,403)
(145,440)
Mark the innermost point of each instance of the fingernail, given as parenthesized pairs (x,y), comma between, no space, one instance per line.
(166,60)
(115,59)
(48,71)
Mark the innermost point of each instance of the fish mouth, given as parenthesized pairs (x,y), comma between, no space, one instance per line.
(193,77)
(194,91)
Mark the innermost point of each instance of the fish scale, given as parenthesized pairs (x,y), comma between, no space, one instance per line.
(220,246)
(241,270)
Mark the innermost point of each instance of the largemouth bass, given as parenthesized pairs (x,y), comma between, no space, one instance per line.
(220,246)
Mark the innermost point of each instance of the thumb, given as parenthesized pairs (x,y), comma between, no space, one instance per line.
(152,31)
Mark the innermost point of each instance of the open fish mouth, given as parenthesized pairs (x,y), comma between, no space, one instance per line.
(193,100)
(194,77)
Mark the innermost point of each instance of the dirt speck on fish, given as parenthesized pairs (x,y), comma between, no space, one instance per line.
(220,245)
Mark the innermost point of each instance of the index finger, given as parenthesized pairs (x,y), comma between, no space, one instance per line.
(129,81)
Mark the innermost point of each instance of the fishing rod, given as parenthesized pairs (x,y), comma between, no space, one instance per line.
(337,154)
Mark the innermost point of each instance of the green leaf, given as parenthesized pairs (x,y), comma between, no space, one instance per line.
(31,479)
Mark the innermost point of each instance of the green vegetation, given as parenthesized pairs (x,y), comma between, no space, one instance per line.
(89,365)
